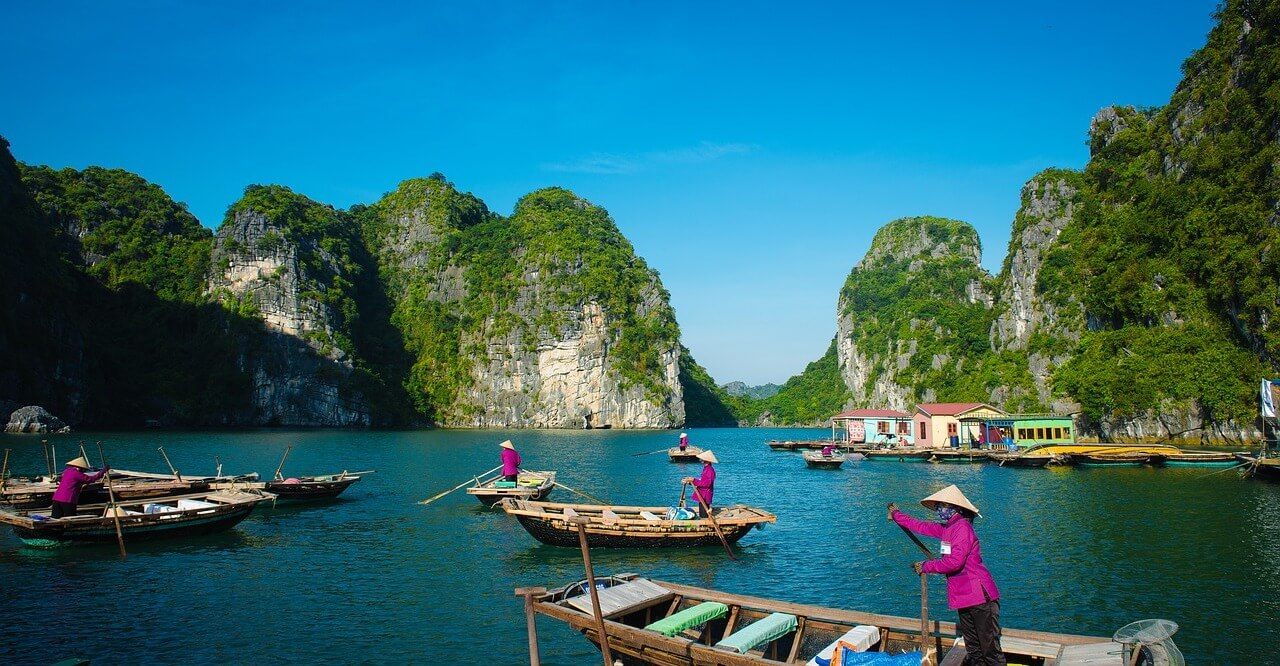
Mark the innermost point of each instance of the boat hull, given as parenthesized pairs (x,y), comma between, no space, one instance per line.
(553,535)
(689,455)
(309,490)
(491,498)
(958,457)
(106,532)
(1086,460)
(897,456)
(824,464)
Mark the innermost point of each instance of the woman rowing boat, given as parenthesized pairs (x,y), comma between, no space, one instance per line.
(704,486)
(67,496)
(971,591)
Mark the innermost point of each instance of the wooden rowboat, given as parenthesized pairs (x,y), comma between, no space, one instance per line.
(785,445)
(186,515)
(900,455)
(957,456)
(631,526)
(1201,459)
(39,494)
(529,485)
(665,623)
(689,454)
(1023,459)
(1115,459)
(295,489)
(817,460)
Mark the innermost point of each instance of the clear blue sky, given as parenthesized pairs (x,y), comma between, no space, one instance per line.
(749,150)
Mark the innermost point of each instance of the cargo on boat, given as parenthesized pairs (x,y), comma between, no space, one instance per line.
(187,515)
(528,485)
(663,623)
(819,460)
(633,526)
(689,454)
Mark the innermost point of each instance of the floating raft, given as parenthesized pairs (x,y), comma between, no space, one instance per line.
(664,623)
(200,513)
(528,485)
(817,460)
(631,526)
(689,454)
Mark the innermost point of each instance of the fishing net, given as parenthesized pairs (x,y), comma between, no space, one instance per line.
(1152,640)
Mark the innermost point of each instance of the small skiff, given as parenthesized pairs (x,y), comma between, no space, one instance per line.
(1023,459)
(689,454)
(631,526)
(1201,459)
(528,485)
(200,513)
(958,456)
(785,445)
(817,460)
(1115,459)
(899,455)
(295,489)
(664,623)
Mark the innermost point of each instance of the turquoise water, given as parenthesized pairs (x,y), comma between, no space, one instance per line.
(376,578)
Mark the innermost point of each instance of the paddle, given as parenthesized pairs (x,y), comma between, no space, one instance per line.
(460,485)
(173,471)
(582,523)
(282,459)
(579,492)
(111,506)
(48,462)
(648,453)
(924,596)
(4,469)
(714,525)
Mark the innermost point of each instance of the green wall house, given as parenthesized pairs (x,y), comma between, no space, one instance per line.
(1030,429)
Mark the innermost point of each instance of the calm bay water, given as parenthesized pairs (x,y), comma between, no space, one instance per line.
(376,578)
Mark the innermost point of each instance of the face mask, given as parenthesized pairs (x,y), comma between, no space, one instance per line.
(945,513)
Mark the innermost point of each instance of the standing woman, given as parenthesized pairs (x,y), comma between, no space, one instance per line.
(684,441)
(971,591)
(510,461)
(704,486)
(67,496)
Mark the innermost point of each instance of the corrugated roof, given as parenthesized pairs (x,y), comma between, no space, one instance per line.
(872,414)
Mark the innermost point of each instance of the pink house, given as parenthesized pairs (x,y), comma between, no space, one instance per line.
(939,424)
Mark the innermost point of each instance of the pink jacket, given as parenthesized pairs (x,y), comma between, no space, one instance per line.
(72,481)
(705,485)
(969,583)
(510,462)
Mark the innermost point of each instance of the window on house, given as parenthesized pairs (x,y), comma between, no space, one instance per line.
(882,426)
(923,434)
(1039,433)
(1057,433)
(903,428)
(1066,433)
(951,429)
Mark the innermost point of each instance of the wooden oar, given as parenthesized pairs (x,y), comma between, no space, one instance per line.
(579,492)
(282,459)
(4,469)
(460,485)
(48,462)
(173,471)
(924,598)
(649,453)
(714,525)
(111,505)
(582,523)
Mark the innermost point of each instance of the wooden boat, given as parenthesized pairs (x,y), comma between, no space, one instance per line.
(689,454)
(39,494)
(529,485)
(631,526)
(1201,459)
(665,623)
(900,455)
(785,445)
(1115,459)
(311,487)
(1023,459)
(817,460)
(1103,448)
(185,515)
(1263,468)
(957,456)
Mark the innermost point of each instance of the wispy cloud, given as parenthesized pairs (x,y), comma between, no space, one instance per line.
(611,163)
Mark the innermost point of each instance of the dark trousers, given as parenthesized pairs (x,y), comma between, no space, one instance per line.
(511,477)
(61,509)
(980,626)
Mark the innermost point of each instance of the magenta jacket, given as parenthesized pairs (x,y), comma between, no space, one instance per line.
(969,583)
(510,462)
(72,481)
(704,486)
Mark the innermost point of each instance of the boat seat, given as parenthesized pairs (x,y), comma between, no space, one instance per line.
(622,599)
(767,629)
(1092,654)
(689,618)
(504,484)
(570,513)
(186,504)
(649,515)
(609,516)
(860,639)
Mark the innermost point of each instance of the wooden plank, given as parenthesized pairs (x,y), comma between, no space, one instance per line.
(1098,654)
(620,599)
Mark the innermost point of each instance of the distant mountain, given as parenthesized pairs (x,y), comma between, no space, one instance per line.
(741,390)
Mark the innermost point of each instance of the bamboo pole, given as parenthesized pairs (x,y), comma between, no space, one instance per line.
(4,469)
(173,471)
(531,623)
(439,495)
(48,462)
(924,599)
(591,581)
(111,504)
(281,465)
(579,492)
(714,525)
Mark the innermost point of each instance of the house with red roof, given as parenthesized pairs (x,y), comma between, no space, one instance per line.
(872,426)
(939,424)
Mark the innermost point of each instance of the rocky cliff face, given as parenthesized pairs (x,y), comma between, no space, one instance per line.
(276,259)
(544,319)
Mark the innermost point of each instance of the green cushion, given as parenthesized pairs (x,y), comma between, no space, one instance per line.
(689,618)
(769,628)
(504,484)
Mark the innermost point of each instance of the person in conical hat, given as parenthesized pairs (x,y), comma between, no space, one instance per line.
(67,496)
(684,441)
(971,591)
(510,461)
(704,486)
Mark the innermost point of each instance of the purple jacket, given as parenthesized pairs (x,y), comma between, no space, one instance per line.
(72,481)
(969,583)
(510,462)
(704,486)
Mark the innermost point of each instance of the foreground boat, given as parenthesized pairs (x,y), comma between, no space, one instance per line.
(818,460)
(664,623)
(200,513)
(528,485)
(632,526)
(38,494)
(689,454)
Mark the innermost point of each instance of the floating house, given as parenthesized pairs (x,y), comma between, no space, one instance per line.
(939,424)
(1025,430)
(872,426)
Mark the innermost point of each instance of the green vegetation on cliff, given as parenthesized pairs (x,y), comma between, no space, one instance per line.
(807,398)
(705,403)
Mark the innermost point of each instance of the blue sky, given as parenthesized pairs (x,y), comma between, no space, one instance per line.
(748,150)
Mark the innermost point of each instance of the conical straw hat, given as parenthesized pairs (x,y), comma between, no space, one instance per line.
(684,434)
(508,445)
(707,456)
(949,495)
(79,462)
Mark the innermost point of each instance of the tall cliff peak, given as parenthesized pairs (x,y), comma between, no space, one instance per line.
(913,239)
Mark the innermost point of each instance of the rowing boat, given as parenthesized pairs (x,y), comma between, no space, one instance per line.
(529,485)
(817,460)
(664,623)
(39,494)
(785,445)
(294,489)
(186,515)
(1115,459)
(687,454)
(632,526)
(1024,459)
(957,456)
(1201,459)
(900,455)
